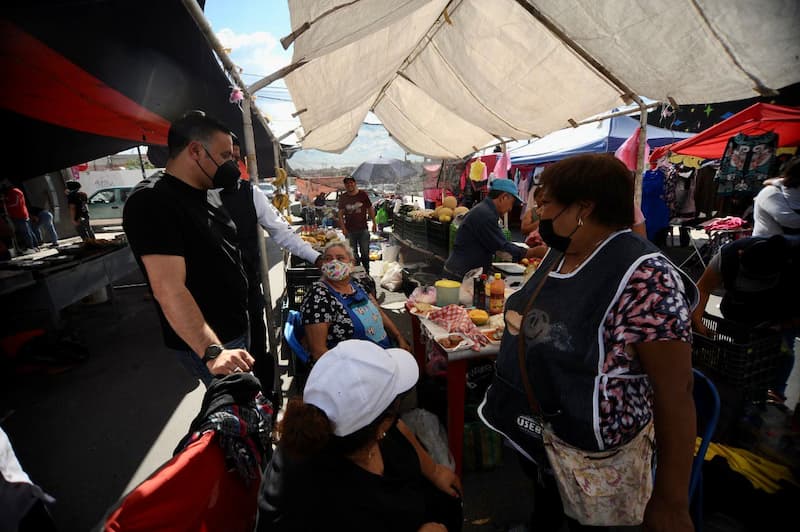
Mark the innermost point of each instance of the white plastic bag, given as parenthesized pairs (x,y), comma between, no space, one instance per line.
(468,287)
(431,434)
(392,280)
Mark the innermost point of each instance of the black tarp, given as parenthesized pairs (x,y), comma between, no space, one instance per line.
(151,52)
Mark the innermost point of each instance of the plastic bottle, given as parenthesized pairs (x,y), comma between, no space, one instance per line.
(497,297)
(487,286)
(479,292)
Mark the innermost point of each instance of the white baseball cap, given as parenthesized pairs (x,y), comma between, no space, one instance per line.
(356,381)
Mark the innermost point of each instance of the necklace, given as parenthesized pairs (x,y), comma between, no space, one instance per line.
(582,258)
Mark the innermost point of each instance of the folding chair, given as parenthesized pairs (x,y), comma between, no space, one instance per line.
(193,491)
(293,333)
(707,408)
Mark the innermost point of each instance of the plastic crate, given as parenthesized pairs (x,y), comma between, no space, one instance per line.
(747,359)
(438,235)
(300,275)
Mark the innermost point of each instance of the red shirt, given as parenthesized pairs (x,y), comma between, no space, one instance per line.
(15,204)
(354,209)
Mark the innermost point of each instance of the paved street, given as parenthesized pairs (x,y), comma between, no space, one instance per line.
(90,434)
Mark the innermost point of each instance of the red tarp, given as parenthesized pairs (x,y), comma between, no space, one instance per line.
(755,120)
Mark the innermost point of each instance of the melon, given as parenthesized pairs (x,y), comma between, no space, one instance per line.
(450,202)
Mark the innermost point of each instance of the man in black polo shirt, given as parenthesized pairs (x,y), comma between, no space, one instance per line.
(185,244)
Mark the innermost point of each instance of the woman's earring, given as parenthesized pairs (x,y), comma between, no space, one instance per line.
(580,221)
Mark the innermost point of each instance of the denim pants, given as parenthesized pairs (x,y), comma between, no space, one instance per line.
(194,362)
(359,241)
(45,224)
(25,237)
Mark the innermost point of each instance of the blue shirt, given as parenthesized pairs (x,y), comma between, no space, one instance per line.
(478,238)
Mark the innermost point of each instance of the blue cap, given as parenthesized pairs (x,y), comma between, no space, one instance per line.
(505,185)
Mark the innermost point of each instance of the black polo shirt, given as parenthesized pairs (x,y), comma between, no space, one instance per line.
(168,217)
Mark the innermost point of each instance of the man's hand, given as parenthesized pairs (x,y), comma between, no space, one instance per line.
(231,361)
(374,227)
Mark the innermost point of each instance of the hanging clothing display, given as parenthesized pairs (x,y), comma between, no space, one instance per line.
(654,208)
(745,164)
(684,192)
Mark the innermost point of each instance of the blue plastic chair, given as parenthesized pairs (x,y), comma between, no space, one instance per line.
(292,333)
(707,407)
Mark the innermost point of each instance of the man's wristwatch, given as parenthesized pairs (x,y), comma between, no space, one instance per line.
(212,352)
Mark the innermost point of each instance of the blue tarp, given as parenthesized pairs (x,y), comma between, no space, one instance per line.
(598,137)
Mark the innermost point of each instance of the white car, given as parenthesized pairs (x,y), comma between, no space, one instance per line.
(267,188)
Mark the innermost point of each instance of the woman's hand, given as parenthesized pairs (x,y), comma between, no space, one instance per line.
(402,344)
(446,480)
(432,527)
(661,516)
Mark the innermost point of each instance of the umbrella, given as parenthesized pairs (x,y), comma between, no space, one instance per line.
(383,172)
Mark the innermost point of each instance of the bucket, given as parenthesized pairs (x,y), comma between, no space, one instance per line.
(447,292)
(389,252)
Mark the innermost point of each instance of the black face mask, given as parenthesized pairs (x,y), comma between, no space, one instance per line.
(549,236)
(227,174)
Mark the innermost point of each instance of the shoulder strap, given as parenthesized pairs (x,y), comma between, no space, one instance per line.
(357,325)
(548,266)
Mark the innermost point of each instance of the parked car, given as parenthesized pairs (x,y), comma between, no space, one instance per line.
(267,189)
(107,203)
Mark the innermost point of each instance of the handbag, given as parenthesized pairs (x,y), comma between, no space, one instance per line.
(598,488)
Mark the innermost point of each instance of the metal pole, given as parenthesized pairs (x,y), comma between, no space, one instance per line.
(637,186)
(141,161)
(252,165)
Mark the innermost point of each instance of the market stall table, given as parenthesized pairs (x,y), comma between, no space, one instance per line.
(58,281)
(456,378)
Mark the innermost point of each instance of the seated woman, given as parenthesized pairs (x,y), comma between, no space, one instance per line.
(344,460)
(338,307)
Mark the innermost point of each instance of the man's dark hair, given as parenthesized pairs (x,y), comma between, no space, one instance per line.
(791,173)
(495,193)
(194,125)
(600,178)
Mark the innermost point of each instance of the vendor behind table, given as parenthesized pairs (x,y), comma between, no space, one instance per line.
(479,237)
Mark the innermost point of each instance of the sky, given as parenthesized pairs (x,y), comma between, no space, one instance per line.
(252,30)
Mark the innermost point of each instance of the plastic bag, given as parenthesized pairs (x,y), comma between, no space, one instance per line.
(423,294)
(431,434)
(467,287)
(392,280)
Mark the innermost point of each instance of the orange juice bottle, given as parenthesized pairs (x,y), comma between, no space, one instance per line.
(497,296)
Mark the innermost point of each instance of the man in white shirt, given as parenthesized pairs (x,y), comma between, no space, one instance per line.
(250,210)
(776,209)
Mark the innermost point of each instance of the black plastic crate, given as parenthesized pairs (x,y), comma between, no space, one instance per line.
(438,235)
(295,294)
(417,233)
(747,359)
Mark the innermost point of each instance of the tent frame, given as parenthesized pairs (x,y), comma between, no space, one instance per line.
(252,164)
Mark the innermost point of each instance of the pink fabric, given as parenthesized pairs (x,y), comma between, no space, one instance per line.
(729,222)
(629,150)
(502,166)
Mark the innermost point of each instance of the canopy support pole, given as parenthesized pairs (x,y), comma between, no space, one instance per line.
(252,165)
(637,183)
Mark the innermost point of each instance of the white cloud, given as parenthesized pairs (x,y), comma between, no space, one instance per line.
(259,54)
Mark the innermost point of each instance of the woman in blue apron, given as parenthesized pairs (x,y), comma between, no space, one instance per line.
(338,307)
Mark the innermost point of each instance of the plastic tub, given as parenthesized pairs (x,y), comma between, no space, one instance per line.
(447,292)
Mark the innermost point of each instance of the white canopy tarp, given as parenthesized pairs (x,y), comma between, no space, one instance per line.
(446,77)
(603,136)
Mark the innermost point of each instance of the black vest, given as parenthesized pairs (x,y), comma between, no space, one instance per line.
(239,204)
(564,348)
